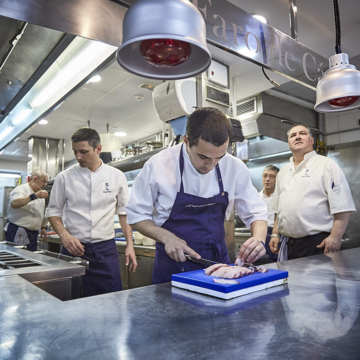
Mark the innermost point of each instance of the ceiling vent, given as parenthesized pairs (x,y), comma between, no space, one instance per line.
(271,116)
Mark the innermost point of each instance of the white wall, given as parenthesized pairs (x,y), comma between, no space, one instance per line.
(338,122)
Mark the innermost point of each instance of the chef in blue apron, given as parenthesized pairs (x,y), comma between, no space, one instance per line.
(83,202)
(183,195)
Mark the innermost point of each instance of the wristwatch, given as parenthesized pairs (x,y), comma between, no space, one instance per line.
(33,197)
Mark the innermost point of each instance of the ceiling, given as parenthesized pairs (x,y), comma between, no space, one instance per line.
(119,100)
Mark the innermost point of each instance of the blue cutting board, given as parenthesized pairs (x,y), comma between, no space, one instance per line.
(199,282)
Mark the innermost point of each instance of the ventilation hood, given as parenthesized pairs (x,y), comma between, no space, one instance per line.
(271,116)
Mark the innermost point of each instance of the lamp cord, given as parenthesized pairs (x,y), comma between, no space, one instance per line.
(337,27)
(274,83)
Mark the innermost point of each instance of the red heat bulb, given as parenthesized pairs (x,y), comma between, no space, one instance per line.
(165,52)
(343,101)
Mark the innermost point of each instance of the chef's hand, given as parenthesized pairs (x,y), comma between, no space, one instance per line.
(274,244)
(42,194)
(251,250)
(176,249)
(130,258)
(43,234)
(72,245)
(330,244)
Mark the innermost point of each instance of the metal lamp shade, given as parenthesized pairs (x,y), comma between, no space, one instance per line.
(342,82)
(178,20)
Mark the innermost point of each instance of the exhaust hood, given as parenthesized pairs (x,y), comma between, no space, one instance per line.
(271,116)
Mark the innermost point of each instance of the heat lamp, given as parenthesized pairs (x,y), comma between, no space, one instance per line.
(339,88)
(164,40)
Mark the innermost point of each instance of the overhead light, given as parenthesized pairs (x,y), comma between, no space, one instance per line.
(94,79)
(43,122)
(164,40)
(10,175)
(120,133)
(89,56)
(139,97)
(147,86)
(20,116)
(5,132)
(260,18)
(339,88)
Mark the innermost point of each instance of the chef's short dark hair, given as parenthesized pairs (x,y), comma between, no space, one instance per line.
(87,134)
(209,124)
(303,125)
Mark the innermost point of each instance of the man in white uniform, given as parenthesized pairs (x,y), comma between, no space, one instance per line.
(26,211)
(267,193)
(87,196)
(184,193)
(313,201)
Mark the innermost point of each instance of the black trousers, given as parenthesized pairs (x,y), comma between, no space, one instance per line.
(32,235)
(306,246)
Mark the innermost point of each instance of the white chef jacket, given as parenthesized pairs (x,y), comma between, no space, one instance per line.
(88,200)
(29,216)
(155,188)
(307,197)
(269,201)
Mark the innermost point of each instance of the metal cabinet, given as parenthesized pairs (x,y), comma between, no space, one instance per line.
(145,257)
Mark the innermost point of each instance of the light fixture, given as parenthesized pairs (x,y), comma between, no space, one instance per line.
(20,116)
(139,98)
(43,122)
(164,40)
(339,88)
(260,18)
(10,175)
(120,133)
(6,131)
(87,56)
(94,79)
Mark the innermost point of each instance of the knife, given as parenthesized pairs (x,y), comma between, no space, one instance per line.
(202,261)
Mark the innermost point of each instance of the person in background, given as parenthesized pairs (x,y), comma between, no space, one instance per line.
(26,211)
(312,201)
(87,196)
(184,193)
(269,181)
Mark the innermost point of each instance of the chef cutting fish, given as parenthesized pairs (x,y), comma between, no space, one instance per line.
(183,195)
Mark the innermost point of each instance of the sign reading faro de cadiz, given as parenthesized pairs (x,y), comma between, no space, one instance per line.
(237,31)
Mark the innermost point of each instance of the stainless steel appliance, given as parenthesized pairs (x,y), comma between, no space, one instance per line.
(46,270)
(4,200)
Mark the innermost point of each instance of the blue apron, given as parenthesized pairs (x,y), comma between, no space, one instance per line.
(103,274)
(200,222)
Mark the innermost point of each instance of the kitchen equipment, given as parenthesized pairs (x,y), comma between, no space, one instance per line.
(44,269)
(199,282)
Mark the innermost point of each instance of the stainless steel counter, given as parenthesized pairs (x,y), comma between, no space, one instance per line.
(315,317)
(38,266)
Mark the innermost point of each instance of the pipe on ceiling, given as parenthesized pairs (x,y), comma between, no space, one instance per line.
(13,42)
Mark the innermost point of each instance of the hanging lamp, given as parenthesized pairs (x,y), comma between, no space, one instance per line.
(164,40)
(339,88)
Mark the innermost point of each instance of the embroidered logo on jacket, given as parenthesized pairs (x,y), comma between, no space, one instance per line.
(107,188)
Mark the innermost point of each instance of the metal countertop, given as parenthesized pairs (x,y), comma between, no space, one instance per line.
(315,317)
(46,267)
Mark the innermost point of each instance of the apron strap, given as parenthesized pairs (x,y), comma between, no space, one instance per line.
(181,164)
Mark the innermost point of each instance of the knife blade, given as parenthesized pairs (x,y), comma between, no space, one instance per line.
(202,261)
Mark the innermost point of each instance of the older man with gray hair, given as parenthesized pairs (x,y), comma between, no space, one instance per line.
(26,211)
